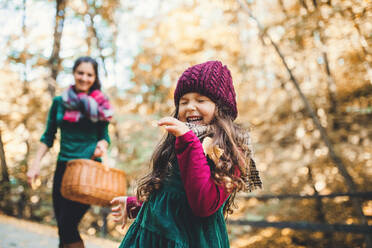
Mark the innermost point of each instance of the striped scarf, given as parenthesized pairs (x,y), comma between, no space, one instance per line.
(203,131)
(94,106)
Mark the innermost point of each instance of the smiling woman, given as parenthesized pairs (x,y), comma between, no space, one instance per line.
(82,113)
(84,77)
(85,72)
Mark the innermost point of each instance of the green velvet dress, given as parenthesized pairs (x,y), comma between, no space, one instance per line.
(166,221)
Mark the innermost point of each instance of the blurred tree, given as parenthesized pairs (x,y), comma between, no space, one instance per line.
(55,60)
(4,182)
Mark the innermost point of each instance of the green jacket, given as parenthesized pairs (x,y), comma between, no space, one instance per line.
(78,140)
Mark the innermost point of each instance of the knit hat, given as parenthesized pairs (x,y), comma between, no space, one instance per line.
(210,79)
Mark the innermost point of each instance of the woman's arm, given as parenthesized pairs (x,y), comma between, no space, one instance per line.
(104,140)
(34,170)
(103,133)
(51,126)
(101,149)
(47,140)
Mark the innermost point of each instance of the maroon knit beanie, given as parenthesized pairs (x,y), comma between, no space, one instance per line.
(210,79)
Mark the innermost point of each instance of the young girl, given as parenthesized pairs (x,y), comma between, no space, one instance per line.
(204,160)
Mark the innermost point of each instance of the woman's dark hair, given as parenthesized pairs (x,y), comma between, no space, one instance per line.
(228,136)
(97,83)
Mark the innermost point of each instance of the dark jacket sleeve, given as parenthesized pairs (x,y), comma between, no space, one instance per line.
(103,132)
(51,125)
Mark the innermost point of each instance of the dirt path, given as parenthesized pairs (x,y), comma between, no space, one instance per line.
(16,233)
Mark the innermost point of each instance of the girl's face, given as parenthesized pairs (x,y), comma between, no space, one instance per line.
(196,108)
(84,76)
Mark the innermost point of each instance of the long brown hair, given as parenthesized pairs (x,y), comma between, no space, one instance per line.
(160,163)
(233,171)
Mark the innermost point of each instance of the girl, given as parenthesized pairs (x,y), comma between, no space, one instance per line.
(182,202)
(82,113)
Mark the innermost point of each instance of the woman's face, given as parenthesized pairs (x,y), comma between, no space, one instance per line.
(84,77)
(196,108)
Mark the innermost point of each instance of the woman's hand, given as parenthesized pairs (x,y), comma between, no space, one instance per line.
(33,173)
(34,170)
(120,210)
(174,126)
(101,149)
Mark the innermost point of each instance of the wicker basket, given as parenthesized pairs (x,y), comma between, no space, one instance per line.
(90,182)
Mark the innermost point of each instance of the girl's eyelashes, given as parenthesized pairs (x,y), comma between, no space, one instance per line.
(198,100)
(201,100)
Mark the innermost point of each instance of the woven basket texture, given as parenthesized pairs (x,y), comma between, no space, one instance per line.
(90,182)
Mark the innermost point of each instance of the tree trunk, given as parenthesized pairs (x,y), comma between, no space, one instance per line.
(331,85)
(55,60)
(4,182)
(281,4)
(319,208)
(4,167)
(92,12)
(303,3)
(25,50)
(315,4)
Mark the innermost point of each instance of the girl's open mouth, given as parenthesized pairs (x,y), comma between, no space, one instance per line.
(195,119)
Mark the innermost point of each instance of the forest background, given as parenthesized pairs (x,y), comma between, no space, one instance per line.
(303,77)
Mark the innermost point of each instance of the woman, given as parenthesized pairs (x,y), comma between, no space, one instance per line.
(82,113)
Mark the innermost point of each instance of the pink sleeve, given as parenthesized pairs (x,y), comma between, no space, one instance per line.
(133,207)
(204,196)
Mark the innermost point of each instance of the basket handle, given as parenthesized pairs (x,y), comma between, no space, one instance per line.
(104,160)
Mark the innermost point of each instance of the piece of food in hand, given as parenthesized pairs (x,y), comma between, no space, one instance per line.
(35,183)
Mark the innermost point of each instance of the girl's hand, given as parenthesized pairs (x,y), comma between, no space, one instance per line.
(174,126)
(101,148)
(120,211)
